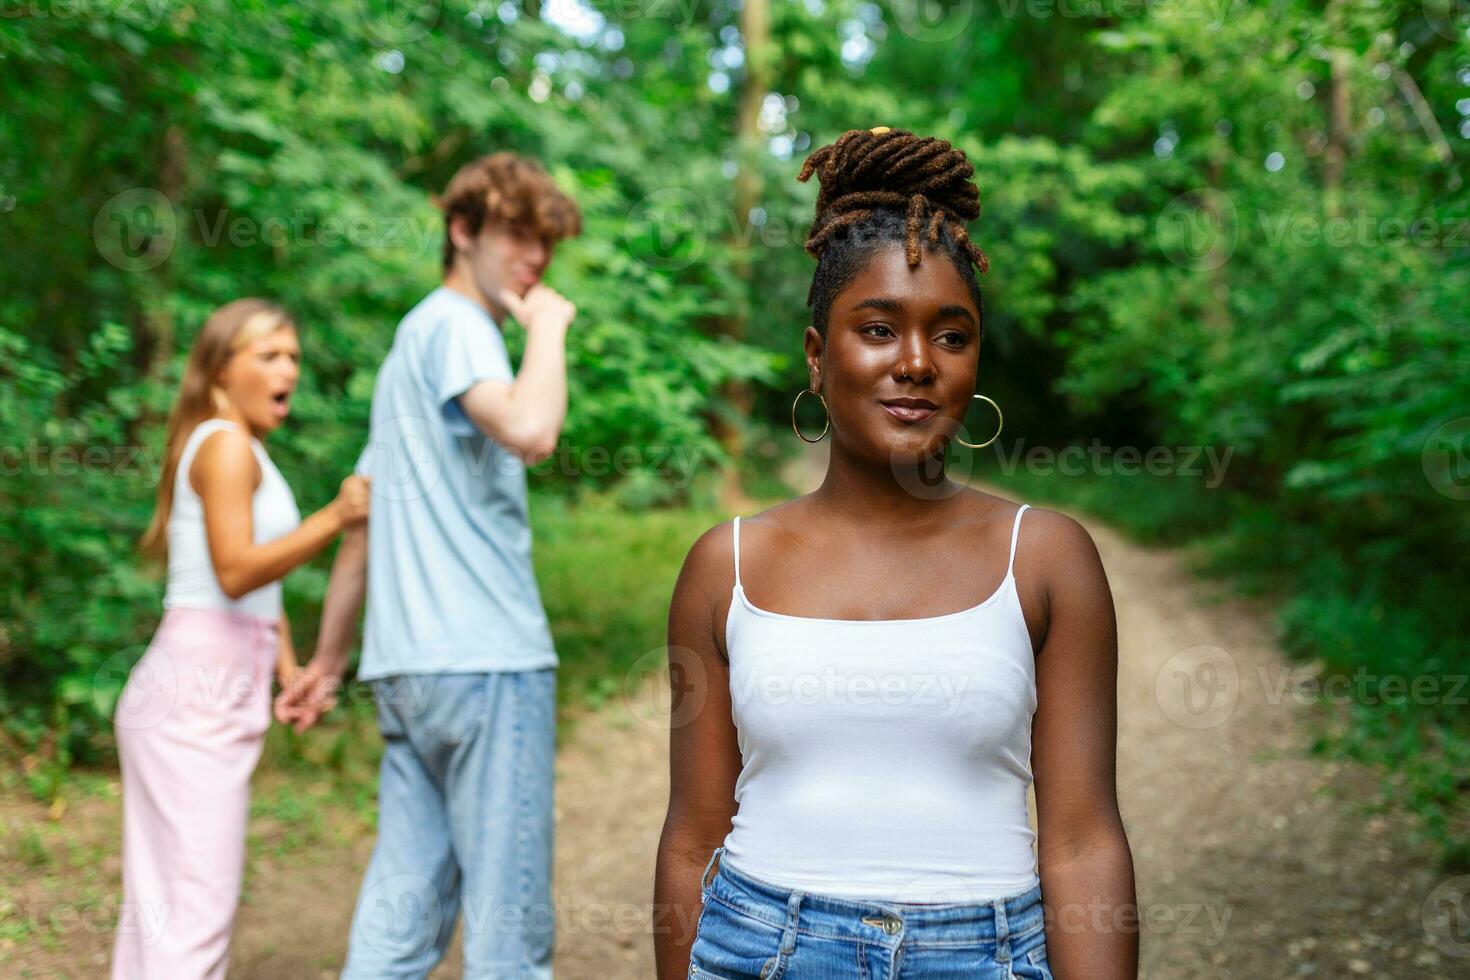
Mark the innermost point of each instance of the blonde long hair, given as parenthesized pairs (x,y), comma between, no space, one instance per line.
(228,329)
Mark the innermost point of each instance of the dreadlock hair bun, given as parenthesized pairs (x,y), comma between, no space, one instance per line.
(874,183)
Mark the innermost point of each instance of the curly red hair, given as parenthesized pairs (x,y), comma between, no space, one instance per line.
(510,190)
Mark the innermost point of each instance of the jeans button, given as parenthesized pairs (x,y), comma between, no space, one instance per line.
(891,925)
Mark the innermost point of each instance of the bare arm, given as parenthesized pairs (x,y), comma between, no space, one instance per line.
(1085,863)
(313,690)
(225,475)
(526,416)
(704,756)
(346,589)
(286,666)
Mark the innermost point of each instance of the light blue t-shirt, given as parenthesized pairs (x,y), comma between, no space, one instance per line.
(450,583)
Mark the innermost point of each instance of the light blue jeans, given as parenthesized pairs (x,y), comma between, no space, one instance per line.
(754,930)
(464,825)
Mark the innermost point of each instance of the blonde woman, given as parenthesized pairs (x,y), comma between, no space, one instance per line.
(193,715)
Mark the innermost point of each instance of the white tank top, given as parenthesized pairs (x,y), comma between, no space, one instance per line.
(885,760)
(192,583)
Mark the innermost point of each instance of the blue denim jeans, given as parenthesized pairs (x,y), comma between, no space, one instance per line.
(752,930)
(464,825)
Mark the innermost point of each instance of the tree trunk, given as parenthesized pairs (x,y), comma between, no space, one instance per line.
(730,426)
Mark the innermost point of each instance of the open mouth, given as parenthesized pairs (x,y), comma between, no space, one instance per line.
(909,409)
(281,401)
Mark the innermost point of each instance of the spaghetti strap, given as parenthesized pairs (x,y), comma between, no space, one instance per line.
(737,551)
(1015,533)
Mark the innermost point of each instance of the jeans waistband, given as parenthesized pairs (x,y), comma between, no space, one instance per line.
(980,923)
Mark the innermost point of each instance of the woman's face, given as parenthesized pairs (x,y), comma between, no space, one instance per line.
(258,379)
(897,367)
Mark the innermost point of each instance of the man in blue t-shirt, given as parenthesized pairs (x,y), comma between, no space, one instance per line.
(456,643)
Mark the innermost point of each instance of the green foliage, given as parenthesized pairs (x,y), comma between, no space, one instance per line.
(1187,251)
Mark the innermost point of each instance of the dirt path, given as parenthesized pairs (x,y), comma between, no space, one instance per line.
(1254,861)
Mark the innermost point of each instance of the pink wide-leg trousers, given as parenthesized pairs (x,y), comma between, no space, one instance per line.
(190,725)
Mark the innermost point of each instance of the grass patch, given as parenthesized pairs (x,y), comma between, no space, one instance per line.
(606,576)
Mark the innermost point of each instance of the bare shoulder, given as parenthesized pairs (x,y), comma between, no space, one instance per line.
(711,560)
(225,441)
(1059,555)
(225,454)
(709,567)
(1057,534)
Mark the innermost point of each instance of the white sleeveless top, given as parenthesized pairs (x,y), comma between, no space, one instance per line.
(885,760)
(192,583)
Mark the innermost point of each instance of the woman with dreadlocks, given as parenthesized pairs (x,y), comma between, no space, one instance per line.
(868,678)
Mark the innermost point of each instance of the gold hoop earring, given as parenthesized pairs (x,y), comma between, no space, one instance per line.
(796,428)
(999,424)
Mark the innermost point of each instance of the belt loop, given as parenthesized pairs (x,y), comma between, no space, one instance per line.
(704,878)
(788,937)
(1002,932)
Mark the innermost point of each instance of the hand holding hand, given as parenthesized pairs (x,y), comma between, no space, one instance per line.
(309,694)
